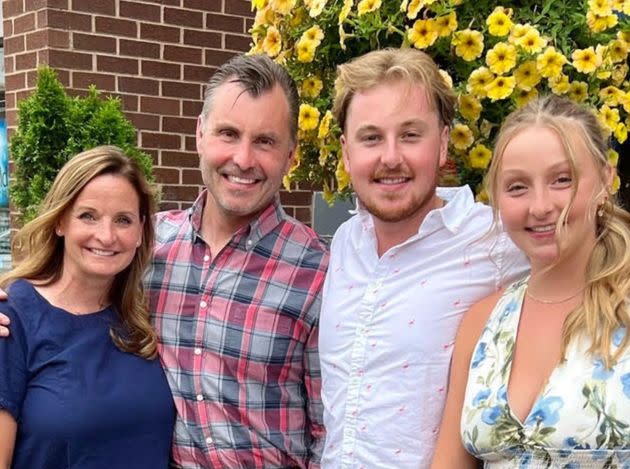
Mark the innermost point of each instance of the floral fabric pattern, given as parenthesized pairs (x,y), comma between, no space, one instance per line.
(581,418)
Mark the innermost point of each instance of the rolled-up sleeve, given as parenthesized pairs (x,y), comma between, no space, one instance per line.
(13,365)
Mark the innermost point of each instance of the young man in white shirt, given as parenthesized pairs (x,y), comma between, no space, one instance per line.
(403,270)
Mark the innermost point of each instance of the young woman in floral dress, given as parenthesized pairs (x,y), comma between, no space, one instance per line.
(541,371)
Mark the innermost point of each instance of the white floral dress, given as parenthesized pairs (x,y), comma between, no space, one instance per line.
(581,419)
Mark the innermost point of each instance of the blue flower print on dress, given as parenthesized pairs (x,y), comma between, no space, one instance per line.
(546,411)
(618,336)
(571,465)
(502,394)
(491,414)
(481,396)
(600,371)
(480,354)
(525,460)
(625,381)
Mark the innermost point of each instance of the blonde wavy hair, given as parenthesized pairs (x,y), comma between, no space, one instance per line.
(604,308)
(39,251)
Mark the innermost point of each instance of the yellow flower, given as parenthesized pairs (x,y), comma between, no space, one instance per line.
(446,24)
(625,101)
(532,42)
(478,80)
(621,132)
(586,60)
(518,32)
(311,87)
(305,50)
(308,118)
(600,7)
(282,7)
(613,157)
(598,23)
(500,88)
(314,34)
(619,73)
(342,37)
(608,117)
(367,6)
(611,95)
(343,180)
(522,96)
(479,157)
(288,178)
(324,125)
(423,34)
(618,50)
(578,91)
(317,6)
(616,184)
(259,4)
(499,22)
(527,76)
(272,42)
(345,10)
(468,44)
(559,84)
(403,6)
(550,62)
(414,8)
(501,58)
(469,107)
(461,136)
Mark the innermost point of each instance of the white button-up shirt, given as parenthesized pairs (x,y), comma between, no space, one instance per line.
(388,324)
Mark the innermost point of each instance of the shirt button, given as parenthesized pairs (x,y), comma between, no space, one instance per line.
(203,304)
(209,440)
(206,258)
(197,351)
(249,242)
(199,397)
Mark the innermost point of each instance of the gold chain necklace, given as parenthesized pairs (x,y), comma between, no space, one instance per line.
(553,302)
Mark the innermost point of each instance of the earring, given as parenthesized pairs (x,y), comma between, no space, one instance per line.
(58,232)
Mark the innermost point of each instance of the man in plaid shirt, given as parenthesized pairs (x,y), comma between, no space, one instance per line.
(235,287)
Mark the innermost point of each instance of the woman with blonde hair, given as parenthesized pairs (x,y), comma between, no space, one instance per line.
(541,371)
(80,385)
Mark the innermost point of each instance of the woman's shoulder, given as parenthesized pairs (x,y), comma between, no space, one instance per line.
(22,298)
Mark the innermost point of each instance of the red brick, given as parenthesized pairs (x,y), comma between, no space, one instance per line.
(34,41)
(238,43)
(183,54)
(159,105)
(229,23)
(12,8)
(161,140)
(144,121)
(138,85)
(166,175)
(249,24)
(191,143)
(183,125)
(239,7)
(139,11)
(179,159)
(129,101)
(64,20)
(191,108)
(24,23)
(7,26)
(159,33)
(31,79)
(180,17)
(181,90)
(161,69)
(192,176)
(205,5)
(9,64)
(303,214)
(296,198)
(9,100)
(139,48)
(70,60)
(58,38)
(218,57)
(15,44)
(164,2)
(108,63)
(202,38)
(201,74)
(48,38)
(26,61)
(103,7)
(94,43)
(101,80)
(179,192)
(15,81)
(116,26)
(169,206)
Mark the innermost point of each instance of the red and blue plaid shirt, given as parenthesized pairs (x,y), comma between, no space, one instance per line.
(238,340)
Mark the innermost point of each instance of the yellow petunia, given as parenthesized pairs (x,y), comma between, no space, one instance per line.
(259,4)
(423,34)
(578,91)
(305,50)
(461,136)
(501,58)
(550,62)
(342,37)
(479,157)
(618,50)
(532,42)
(611,95)
(527,76)
(619,73)
(468,44)
(324,125)
(469,107)
(308,118)
(613,157)
(478,80)
(273,42)
(598,23)
(314,34)
(311,87)
(625,101)
(522,96)
(414,8)
(499,22)
(282,7)
(343,179)
(518,32)
(345,10)
(616,184)
(608,117)
(500,88)
(621,132)
(586,60)
(559,84)
(316,8)
(288,178)
(446,24)
(600,7)
(368,6)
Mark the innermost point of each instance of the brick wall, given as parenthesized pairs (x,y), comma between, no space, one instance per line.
(153,54)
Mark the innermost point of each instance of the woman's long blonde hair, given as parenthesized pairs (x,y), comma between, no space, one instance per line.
(39,250)
(604,308)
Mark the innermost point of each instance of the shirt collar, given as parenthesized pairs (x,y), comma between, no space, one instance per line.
(251,233)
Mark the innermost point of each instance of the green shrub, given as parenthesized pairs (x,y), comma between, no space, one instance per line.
(53,127)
